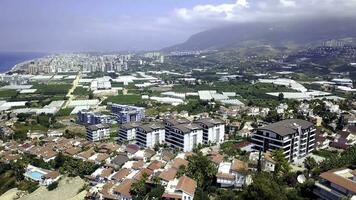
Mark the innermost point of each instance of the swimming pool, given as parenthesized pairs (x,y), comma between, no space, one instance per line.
(35,175)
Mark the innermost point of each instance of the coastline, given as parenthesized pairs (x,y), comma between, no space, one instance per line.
(11,61)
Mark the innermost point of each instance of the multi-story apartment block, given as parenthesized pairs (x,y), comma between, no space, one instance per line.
(213,130)
(149,135)
(98,132)
(126,113)
(336,184)
(182,134)
(88,117)
(145,135)
(294,136)
(127,132)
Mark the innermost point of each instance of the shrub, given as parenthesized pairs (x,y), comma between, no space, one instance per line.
(52,186)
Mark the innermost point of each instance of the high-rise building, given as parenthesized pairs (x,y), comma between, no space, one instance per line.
(295,137)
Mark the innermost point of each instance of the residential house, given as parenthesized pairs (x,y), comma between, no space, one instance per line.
(182,188)
(233,174)
(266,161)
(336,184)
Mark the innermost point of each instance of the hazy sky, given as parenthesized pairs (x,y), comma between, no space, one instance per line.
(106,25)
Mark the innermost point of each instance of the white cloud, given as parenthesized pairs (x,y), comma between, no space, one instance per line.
(224,11)
(266,10)
(288,3)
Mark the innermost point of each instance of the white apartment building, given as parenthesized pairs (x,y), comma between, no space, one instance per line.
(182,134)
(127,132)
(213,130)
(295,137)
(148,135)
(98,132)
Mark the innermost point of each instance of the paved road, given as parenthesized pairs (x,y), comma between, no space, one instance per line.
(70,92)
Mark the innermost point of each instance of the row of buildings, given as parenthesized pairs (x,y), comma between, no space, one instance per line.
(176,133)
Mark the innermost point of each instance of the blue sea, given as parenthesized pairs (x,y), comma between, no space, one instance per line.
(10,59)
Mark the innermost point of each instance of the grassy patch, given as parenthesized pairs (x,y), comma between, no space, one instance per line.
(7,94)
(7,181)
(125,99)
(52,89)
(80,91)
(64,112)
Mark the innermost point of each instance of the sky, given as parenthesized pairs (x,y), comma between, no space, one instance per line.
(116,25)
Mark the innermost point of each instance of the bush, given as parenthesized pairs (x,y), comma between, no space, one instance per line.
(52,186)
(27,186)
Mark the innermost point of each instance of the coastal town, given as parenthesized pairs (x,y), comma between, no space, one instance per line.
(129,127)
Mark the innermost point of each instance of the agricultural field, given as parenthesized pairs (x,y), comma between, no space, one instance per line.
(6,94)
(52,89)
(125,99)
(80,91)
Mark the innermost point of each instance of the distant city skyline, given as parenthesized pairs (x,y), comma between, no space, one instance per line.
(115,25)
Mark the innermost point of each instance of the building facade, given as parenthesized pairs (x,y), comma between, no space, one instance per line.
(182,134)
(149,135)
(213,130)
(88,117)
(127,132)
(294,136)
(144,135)
(98,132)
(126,113)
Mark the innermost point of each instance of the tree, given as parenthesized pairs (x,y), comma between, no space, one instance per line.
(181,171)
(156,192)
(139,189)
(264,187)
(310,164)
(52,186)
(282,165)
(201,169)
(280,96)
(272,116)
(223,194)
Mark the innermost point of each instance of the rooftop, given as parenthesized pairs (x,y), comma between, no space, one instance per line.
(341,177)
(287,127)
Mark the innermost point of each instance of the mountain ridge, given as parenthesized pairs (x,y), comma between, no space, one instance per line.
(301,32)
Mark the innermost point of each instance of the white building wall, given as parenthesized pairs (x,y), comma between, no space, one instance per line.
(212,134)
(186,196)
(151,138)
(131,134)
(188,140)
(225,182)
